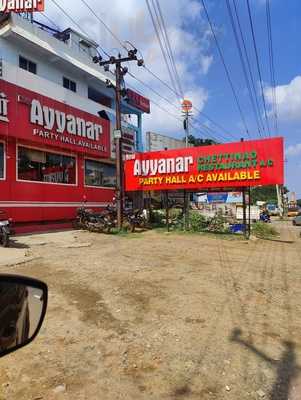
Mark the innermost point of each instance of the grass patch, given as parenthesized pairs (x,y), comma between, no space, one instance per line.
(216,235)
(264,231)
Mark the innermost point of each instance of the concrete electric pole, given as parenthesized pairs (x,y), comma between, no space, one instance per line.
(120,72)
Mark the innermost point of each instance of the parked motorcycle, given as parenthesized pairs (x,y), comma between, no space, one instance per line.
(132,219)
(87,219)
(264,217)
(5,230)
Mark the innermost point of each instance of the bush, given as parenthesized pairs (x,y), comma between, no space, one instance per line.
(218,224)
(198,222)
(158,217)
(264,230)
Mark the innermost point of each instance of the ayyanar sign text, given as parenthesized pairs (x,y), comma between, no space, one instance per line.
(241,164)
(21,6)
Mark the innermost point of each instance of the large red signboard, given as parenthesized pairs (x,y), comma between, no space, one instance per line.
(241,164)
(32,117)
(21,6)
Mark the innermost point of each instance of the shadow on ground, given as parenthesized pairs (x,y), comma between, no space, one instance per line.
(286,368)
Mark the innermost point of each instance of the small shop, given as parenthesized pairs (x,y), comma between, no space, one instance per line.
(53,157)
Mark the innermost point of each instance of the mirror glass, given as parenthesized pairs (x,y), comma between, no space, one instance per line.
(21,311)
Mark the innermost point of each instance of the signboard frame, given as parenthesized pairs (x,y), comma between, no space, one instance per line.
(239,165)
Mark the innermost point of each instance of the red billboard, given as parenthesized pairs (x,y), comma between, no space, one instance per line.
(21,6)
(138,101)
(32,117)
(241,164)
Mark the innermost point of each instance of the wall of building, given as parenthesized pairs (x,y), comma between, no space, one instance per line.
(49,69)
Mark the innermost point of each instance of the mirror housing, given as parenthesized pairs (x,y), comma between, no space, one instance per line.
(23,305)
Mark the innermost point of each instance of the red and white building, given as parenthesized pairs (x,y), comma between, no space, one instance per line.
(56,125)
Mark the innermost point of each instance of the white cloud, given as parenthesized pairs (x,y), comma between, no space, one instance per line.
(206,62)
(294,150)
(288,100)
(129,20)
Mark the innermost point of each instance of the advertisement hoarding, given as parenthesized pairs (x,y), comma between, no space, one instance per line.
(42,120)
(240,164)
(138,101)
(219,197)
(21,6)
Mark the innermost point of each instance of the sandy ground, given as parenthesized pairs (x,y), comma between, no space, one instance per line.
(160,316)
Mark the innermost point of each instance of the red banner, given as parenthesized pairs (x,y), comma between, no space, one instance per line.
(30,116)
(20,6)
(241,164)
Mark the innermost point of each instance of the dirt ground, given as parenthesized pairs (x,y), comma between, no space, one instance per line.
(161,316)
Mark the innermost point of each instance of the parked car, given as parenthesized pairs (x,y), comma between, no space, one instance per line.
(297,220)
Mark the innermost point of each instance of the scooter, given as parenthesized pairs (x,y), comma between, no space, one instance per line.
(5,231)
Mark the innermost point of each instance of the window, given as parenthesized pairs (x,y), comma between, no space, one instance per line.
(68,84)
(1,161)
(27,65)
(98,97)
(40,166)
(99,174)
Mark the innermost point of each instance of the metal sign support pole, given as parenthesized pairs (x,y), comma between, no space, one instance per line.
(186,194)
(244,212)
(249,226)
(167,213)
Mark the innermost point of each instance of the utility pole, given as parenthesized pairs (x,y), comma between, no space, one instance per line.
(120,72)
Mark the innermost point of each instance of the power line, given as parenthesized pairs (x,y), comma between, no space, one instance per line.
(249,65)
(226,69)
(152,73)
(173,105)
(50,20)
(194,107)
(272,65)
(242,61)
(172,79)
(75,23)
(258,65)
(105,25)
(169,49)
(176,116)
(159,79)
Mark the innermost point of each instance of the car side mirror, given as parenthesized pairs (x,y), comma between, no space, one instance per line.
(23,304)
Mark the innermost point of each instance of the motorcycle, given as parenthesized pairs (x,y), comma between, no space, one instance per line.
(132,219)
(265,218)
(87,219)
(5,231)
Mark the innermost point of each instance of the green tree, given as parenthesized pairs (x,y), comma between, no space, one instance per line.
(299,202)
(199,142)
(267,194)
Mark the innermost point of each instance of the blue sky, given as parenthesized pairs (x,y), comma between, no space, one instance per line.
(200,69)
